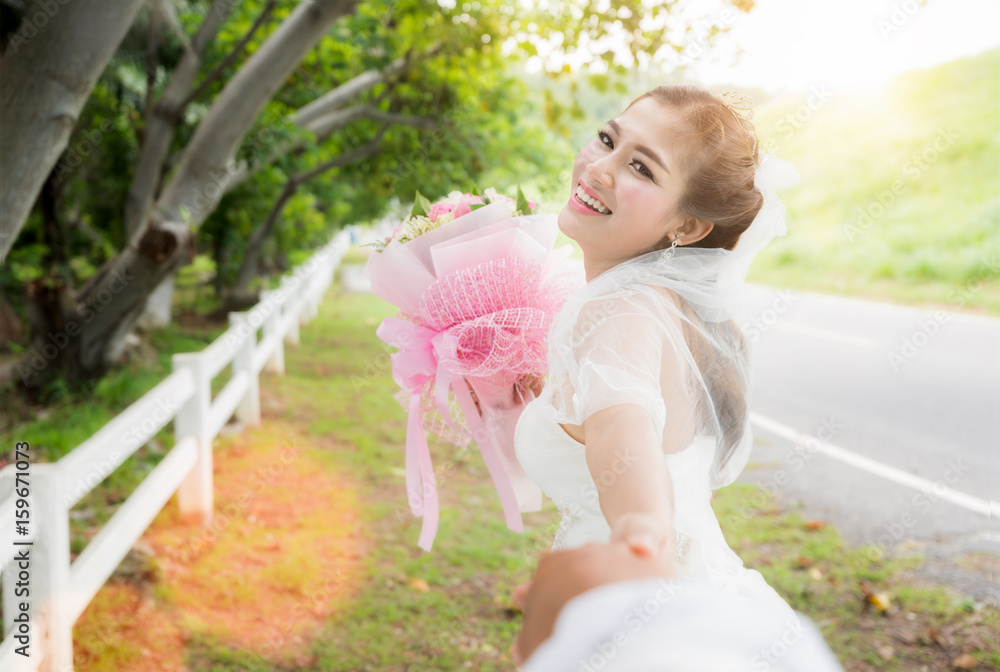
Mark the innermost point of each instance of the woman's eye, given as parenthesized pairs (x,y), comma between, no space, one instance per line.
(641,167)
(605,139)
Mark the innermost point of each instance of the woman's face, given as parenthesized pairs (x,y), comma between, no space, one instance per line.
(632,168)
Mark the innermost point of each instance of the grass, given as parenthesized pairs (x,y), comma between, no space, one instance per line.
(448,609)
(70,419)
(935,240)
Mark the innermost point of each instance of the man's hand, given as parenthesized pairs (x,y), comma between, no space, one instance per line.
(562,575)
(516,394)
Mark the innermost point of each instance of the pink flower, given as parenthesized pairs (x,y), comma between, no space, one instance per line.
(439,209)
(464,205)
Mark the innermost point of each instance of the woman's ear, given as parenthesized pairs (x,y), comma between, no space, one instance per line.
(693,230)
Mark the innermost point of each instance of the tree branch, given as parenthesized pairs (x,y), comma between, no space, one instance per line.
(357,154)
(229,59)
(163,118)
(251,257)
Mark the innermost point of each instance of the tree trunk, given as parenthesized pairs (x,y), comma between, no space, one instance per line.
(107,308)
(48,70)
(82,336)
(248,268)
(203,169)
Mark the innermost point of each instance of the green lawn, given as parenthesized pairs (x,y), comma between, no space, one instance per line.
(464,621)
(900,190)
(338,391)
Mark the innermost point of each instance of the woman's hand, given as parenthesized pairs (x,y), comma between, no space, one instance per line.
(647,536)
(517,391)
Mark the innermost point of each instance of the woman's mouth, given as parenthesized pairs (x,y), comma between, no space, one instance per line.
(585,202)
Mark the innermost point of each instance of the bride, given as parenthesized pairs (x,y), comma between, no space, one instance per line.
(645,409)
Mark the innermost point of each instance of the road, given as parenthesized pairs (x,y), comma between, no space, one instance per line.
(915,391)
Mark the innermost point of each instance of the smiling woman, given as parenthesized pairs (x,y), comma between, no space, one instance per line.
(645,410)
(677,163)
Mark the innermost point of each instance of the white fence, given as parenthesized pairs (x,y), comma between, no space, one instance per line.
(59,590)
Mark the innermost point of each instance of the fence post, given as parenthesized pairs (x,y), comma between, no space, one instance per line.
(248,410)
(276,363)
(50,569)
(195,494)
(315,295)
(293,302)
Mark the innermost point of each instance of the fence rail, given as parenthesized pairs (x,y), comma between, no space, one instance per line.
(60,590)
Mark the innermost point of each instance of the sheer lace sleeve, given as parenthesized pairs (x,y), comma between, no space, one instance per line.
(621,351)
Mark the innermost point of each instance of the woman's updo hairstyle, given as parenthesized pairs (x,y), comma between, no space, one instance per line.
(719,156)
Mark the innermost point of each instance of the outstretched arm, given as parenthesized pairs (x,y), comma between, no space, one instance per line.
(625,457)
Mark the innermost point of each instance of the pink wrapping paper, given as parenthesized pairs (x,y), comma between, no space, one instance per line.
(476,298)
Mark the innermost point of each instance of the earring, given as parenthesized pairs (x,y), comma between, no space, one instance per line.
(677,240)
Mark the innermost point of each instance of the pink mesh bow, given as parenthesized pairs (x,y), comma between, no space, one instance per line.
(484,321)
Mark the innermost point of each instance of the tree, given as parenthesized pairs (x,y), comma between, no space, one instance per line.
(48,69)
(419,99)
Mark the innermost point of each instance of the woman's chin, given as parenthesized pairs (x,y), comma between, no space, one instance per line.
(567,221)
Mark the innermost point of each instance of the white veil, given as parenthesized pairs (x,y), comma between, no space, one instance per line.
(686,297)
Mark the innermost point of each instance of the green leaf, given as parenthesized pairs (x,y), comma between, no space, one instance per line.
(421,206)
(476,206)
(475,191)
(522,202)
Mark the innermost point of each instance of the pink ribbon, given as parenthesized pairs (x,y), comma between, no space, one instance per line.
(417,362)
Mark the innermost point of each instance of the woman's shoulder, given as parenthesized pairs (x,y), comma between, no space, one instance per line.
(631,316)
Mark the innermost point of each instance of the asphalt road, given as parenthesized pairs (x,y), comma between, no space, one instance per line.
(917,391)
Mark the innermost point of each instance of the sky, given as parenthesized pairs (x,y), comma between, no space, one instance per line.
(794,44)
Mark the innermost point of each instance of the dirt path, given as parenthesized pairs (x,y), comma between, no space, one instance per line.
(281,556)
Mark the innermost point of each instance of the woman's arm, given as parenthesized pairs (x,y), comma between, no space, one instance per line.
(636,495)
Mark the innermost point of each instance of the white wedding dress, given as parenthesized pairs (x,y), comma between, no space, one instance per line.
(557,464)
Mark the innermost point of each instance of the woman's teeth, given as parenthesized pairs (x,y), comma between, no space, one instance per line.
(592,202)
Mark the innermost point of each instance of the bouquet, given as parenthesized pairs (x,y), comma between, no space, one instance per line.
(476,283)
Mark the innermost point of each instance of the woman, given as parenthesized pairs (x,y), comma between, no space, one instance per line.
(646,405)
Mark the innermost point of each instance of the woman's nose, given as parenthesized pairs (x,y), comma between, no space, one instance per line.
(600,173)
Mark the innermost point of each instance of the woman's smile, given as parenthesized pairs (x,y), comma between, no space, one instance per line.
(586,201)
